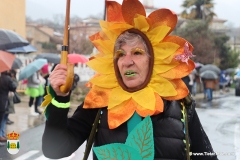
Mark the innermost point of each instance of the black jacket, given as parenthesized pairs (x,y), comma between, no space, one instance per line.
(6,85)
(62,136)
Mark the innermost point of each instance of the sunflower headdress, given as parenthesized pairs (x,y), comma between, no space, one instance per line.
(169,63)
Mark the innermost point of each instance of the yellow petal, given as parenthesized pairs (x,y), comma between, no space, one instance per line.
(117,27)
(113,30)
(141,23)
(164,50)
(105,81)
(161,68)
(157,34)
(105,46)
(45,103)
(117,96)
(162,86)
(145,98)
(97,64)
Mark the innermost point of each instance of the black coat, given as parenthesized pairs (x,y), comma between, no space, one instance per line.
(6,85)
(62,136)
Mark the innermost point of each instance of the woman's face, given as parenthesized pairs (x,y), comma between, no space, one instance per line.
(133,64)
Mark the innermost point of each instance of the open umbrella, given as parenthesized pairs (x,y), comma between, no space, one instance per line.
(194,71)
(238,74)
(198,65)
(6,61)
(230,70)
(50,57)
(10,39)
(17,63)
(25,49)
(77,58)
(31,68)
(209,75)
(210,67)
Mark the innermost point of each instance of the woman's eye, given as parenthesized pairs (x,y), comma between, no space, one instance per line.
(120,55)
(137,53)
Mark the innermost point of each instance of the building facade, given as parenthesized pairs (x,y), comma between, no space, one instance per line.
(13,16)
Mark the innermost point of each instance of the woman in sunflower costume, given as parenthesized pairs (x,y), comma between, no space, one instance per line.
(137,93)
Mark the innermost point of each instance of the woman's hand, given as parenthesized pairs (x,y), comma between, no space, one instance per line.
(57,78)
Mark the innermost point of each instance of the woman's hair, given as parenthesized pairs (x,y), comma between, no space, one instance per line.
(13,73)
(5,73)
(131,39)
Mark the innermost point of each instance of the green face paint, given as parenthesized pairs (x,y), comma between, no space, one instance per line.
(130,73)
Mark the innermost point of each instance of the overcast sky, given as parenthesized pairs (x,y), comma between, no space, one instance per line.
(225,9)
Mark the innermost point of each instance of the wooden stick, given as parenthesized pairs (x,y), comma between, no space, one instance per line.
(64,54)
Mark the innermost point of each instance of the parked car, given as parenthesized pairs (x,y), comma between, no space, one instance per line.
(237,87)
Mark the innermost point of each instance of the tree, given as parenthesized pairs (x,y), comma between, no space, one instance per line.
(209,47)
(198,9)
(227,57)
(197,33)
(49,47)
(79,43)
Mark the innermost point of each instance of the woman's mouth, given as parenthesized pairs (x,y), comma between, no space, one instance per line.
(130,73)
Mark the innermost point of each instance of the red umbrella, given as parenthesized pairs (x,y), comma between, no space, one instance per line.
(76,58)
(6,61)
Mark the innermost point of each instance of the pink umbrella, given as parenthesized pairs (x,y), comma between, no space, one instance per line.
(6,61)
(76,58)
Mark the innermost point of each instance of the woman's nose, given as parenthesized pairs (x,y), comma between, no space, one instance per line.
(128,61)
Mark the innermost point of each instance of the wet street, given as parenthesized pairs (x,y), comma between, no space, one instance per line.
(220,119)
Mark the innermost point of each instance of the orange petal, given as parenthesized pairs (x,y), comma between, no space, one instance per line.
(97,97)
(89,84)
(179,71)
(163,17)
(130,8)
(178,40)
(95,36)
(120,114)
(181,88)
(99,35)
(159,104)
(114,12)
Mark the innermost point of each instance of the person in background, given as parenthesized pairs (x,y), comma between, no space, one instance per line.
(196,81)
(188,80)
(35,90)
(202,81)
(210,85)
(191,83)
(76,79)
(10,108)
(44,79)
(228,82)
(139,69)
(6,85)
(222,81)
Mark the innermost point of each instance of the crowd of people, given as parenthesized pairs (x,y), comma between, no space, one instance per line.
(36,90)
(222,83)
(8,85)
